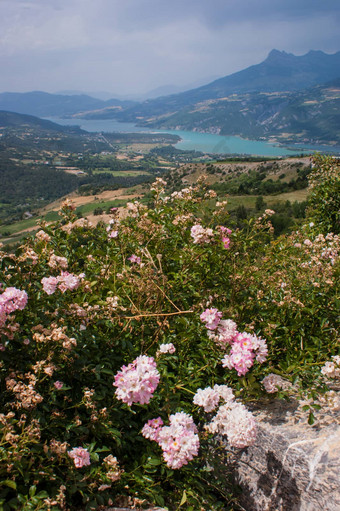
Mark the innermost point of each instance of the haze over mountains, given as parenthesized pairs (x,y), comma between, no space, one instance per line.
(292,98)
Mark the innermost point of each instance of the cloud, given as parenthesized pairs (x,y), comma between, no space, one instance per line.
(135,45)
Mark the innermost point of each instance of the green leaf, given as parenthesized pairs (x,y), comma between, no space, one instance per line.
(154,462)
(32,490)
(311,418)
(183,499)
(11,484)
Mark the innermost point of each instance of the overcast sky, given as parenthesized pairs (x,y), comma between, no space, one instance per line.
(133,46)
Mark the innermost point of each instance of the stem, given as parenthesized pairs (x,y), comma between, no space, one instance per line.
(187,390)
(156,314)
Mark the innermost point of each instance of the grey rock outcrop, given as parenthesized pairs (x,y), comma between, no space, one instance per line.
(292,466)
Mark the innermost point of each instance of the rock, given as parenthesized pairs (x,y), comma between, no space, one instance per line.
(292,466)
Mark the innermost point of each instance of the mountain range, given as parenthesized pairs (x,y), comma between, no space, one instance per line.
(292,98)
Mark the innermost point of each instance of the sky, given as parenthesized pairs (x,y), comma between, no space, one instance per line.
(129,47)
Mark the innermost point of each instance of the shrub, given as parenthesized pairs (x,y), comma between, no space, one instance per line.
(130,329)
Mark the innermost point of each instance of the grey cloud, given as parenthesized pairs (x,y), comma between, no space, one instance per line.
(137,45)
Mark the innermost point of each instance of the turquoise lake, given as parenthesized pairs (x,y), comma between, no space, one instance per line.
(191,140)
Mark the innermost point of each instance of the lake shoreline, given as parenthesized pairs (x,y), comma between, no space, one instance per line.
(207,143)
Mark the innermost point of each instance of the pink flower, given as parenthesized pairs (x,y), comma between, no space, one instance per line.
(273,383)
(239,358)
(12,299)
(209,397)
(226,331)
(68,281)
(42,236)
(226,242)
(211,317)
(235,421)
(134,259)
(151,429)
(57,262)
(167,348)
(81,457)
(113,234)
(225,230)
(58,385)
(179,441)
(49,284)
(65,281)
(245,348)
(137,382)
(200,234)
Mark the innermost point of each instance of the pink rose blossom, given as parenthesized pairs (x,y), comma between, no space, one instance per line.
(11,299)
(68,281)
(134,259)
(49,284)
(211,317)
(179,441)
(167,348)
(226,242)
(200,234)
(226,331)
(81,457)
(151,429)
(236,422)
(58,385)
(137,382)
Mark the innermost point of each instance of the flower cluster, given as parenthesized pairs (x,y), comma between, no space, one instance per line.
(179,441)
(209,398)
(151,429)
(26,395)
(224,333)
(65,281)
(137,382)
(158,185)
(232,418)
(56,262)
(80,456)
(111,229)
(236,422)
(43,236)
(245,348)
(11,299)
(211,318)
(134,259)
(331,369)
(273,383)
(201,235)
(135,208)
(114,473)
(166,348)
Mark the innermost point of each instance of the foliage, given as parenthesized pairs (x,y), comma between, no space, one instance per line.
(99,297)
(324,200)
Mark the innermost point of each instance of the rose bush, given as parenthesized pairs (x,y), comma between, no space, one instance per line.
(126,347)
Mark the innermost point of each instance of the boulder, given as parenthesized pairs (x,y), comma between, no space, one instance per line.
(293,466)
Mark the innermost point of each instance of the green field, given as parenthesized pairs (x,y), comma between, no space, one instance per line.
(91,206)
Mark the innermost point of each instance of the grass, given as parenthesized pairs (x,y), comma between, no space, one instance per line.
(249,201)
(91,206)
(18,226)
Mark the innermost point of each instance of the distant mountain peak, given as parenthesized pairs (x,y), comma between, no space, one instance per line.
(278,55)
